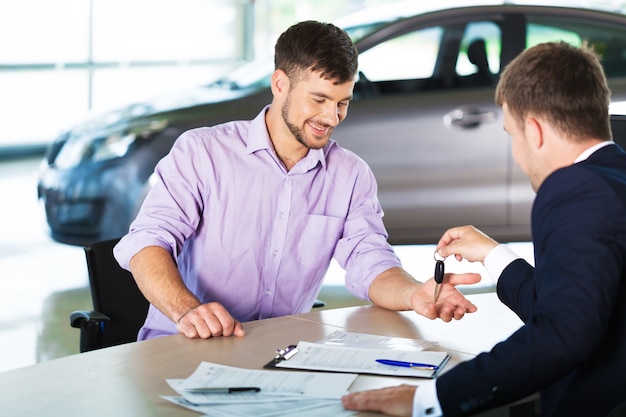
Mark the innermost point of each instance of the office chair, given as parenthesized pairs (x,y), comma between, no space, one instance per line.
(119,308)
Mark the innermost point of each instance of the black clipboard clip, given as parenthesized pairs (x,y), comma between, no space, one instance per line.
(286,353)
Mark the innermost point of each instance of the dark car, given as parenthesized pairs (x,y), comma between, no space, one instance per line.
(423,117)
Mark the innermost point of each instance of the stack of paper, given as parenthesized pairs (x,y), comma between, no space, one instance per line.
(282,393)
(279,392)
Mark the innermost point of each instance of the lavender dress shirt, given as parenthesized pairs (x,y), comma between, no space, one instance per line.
(253,236)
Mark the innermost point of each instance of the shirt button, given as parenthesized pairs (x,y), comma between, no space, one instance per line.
(268,292)
(282,214)
(275,253)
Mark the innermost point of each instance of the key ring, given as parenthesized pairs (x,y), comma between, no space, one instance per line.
(436,255)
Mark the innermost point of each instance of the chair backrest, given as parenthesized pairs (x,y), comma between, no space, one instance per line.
(114,293)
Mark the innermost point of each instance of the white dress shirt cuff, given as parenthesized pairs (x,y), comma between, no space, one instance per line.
(425,401)
(498,259)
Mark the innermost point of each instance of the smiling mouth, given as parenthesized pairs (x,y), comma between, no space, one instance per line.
(319,130)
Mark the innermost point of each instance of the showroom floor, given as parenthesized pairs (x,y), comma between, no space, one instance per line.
(40,280)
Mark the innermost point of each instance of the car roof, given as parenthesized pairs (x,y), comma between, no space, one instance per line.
(407,8)
(365,22)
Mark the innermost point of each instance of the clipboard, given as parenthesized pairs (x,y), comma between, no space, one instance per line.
(361,360)
(282,355)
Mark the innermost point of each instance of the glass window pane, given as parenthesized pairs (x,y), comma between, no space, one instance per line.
(43,31)
(143,30)
(406,57)
(490,33)
(608,41)
(40,104)
(540,33)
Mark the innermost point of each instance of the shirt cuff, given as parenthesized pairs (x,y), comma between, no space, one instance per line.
(497,260)
(425,401)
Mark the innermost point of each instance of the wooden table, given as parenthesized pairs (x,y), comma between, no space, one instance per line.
(127,380)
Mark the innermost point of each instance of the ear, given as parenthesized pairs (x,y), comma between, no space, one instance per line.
(534,132)
(279,83)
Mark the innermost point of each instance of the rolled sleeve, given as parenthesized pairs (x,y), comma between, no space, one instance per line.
(131,244)
(363,250)
(366,268)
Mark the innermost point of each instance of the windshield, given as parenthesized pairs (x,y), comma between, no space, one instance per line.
(256,74)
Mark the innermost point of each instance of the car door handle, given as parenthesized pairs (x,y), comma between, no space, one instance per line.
(468,117)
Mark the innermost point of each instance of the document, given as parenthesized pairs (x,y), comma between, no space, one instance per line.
(343,338)
(274,384)
(323,357)
(281,393)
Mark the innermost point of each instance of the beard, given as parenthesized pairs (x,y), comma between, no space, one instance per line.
(299,133)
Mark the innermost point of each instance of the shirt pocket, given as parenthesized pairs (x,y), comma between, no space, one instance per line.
(318,239)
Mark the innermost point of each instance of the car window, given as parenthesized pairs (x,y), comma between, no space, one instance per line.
(608,41)
(405,57)
(433,58)
(490,34)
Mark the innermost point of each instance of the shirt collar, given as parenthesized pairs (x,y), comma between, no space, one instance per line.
(589,151)
(258,137)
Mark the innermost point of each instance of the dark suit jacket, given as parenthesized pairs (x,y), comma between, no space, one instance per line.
(572,347)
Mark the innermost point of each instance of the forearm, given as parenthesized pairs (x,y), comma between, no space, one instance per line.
(393,289)
(158,279)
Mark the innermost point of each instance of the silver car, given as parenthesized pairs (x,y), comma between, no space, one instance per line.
(423,117)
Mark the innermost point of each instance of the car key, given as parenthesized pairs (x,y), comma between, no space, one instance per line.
(439,272)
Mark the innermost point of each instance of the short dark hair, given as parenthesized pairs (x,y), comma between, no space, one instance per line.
(319,47)
(564,84)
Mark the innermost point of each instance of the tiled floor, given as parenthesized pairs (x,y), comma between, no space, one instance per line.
(42,281)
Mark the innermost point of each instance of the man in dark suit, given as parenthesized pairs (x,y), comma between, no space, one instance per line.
(572,346)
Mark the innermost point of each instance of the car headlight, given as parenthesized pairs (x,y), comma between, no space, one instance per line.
(87,147)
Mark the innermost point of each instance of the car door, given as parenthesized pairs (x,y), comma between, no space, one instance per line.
(431,131)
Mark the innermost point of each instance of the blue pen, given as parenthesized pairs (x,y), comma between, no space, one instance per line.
(414,365)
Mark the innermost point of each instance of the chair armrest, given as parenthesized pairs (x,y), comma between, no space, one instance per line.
(78,316)
(91,325)
(319,303)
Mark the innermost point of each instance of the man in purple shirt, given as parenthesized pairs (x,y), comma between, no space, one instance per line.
(245,217)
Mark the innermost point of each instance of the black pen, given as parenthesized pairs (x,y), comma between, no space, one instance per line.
(222,390)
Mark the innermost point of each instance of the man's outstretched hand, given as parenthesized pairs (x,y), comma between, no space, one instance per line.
(451,303)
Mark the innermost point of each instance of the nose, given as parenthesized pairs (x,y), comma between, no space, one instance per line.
(333,114)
